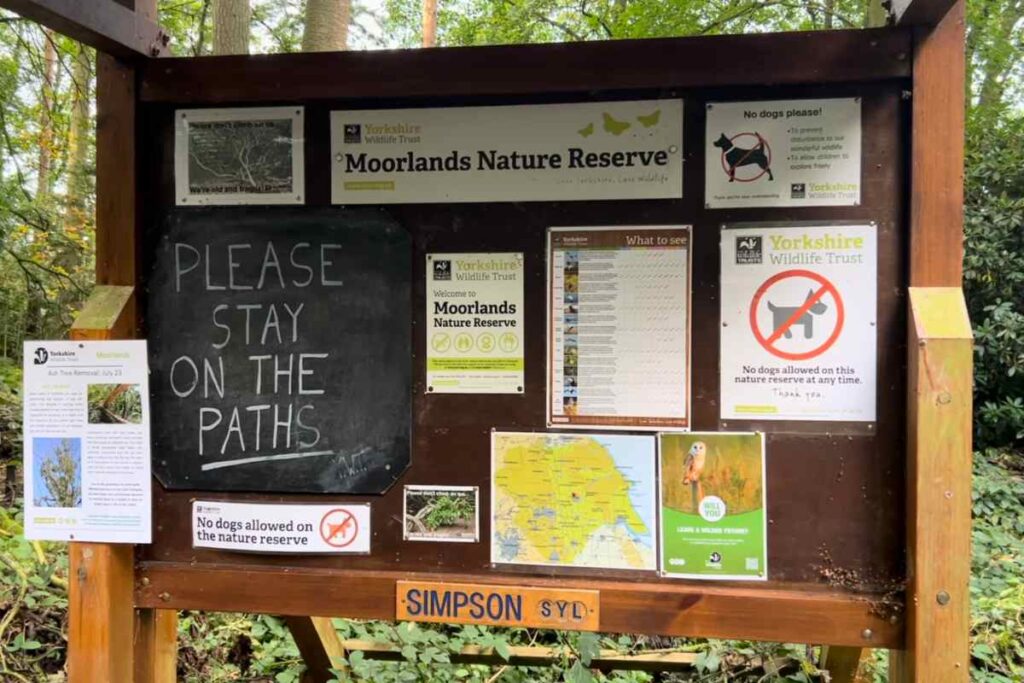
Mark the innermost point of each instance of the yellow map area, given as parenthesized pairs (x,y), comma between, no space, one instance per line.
(564,500)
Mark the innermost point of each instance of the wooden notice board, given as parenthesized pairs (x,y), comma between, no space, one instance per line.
(835,490)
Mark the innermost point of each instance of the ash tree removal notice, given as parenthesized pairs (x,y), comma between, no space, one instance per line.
(280,351)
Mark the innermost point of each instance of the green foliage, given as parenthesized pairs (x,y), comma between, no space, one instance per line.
(448,511)
(997,570)
(426,652)
(994,275)
(46,183)
(33,603)
(220,647)
(114,404)
(483,22)
(10,411)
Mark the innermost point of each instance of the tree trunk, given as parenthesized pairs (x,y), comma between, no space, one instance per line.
(78,136)
(46,115)
(429,23)
(326,25)
(999,63)
(875,14)
(231,19)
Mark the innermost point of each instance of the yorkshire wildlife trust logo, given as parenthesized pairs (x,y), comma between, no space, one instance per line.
(748,249)
(798,190)
(442,270)
(41,356)
(353,133)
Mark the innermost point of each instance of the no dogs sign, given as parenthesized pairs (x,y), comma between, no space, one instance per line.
(782,153)
(798,323)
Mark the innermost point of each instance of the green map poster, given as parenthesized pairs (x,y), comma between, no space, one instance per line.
(573,500)
(713,506)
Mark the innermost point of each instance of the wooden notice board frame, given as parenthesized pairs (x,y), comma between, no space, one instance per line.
(889,530)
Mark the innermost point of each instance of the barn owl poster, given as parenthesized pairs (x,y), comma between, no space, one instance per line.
(713,506)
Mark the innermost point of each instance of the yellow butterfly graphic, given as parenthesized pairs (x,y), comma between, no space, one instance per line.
(614,127)
(588,131)
(650,119)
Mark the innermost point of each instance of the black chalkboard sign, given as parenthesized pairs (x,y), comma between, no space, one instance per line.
(280,350)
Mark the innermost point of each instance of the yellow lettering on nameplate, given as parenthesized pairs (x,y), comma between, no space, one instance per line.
(470,603)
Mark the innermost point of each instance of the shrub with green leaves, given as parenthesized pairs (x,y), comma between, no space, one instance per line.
(997,570)
(994,274)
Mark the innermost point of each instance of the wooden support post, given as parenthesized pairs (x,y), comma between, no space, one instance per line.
(156,639)
(100,615)
(939,368)
(939,489)
(320,646)
(937,154)
(117,241)
(844,663)
(100,593)
(109,640)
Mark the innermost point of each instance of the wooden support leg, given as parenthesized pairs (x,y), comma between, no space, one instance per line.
(843,663)
(320,647)
(156,645)
(108,640)
(939,489)
(102,644)
(100,613)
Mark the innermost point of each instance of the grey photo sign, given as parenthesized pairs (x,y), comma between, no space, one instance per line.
(239,156)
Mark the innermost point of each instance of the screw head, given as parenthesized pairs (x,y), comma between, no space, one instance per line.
(867,634)
(942,597)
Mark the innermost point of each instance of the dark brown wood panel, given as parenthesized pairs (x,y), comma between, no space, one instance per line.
(836,492)
(779,58)
(767,612)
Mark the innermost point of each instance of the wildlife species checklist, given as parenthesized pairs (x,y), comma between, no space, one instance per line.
(86,437)
(783,153)
(618,327)
(798,335)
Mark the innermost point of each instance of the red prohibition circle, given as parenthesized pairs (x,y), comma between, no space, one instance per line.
(768,153)
(768,343)
(327,534)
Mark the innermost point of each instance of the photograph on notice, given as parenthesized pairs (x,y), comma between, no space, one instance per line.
(239,156)
(57,472)
(442,513)
(114,404)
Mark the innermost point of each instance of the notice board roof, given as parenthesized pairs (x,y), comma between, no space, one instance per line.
(735,60)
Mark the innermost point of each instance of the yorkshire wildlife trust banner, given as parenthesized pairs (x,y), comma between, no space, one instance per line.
(564,152)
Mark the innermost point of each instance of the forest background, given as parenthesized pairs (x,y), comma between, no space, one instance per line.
(47,196)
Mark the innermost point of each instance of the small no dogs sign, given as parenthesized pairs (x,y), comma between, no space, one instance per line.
(783,153)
